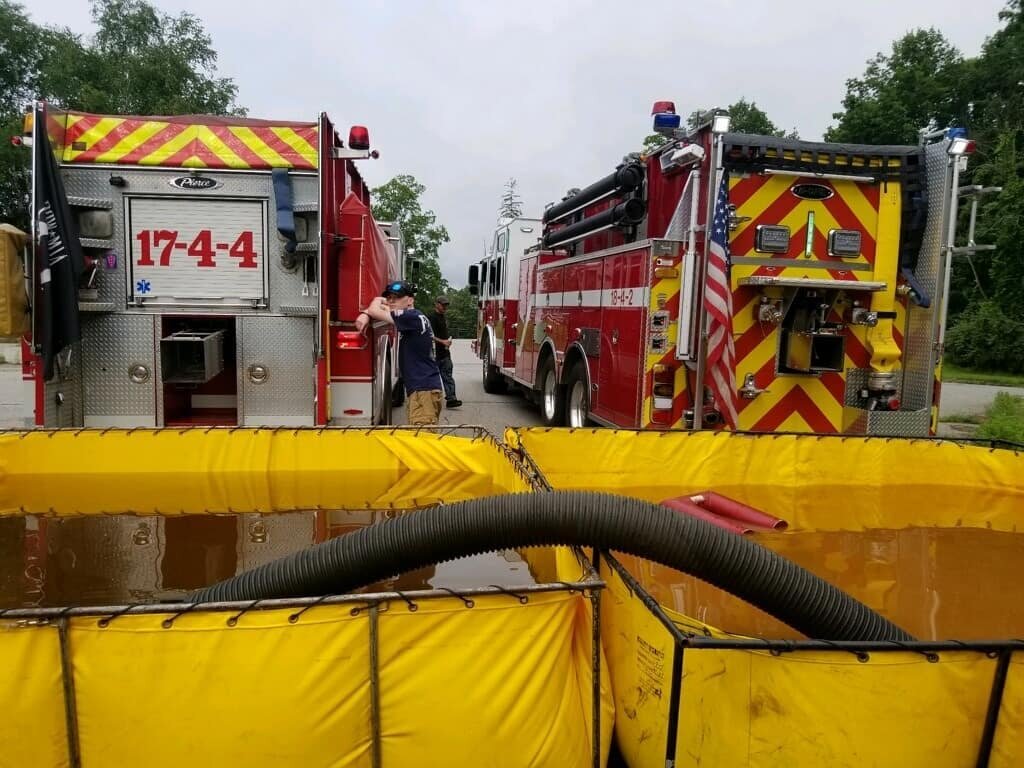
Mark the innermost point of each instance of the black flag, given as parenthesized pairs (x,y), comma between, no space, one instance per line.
(59,262)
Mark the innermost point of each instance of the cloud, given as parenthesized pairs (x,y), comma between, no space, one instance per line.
(464,94)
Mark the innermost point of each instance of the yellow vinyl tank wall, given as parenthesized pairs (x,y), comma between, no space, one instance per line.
(494,676)
(786,705)
(815,482)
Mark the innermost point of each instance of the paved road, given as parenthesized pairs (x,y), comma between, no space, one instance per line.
(970,399)
(493,412)
(15,398)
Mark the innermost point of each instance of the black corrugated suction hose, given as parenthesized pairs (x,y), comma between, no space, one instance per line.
(742,567)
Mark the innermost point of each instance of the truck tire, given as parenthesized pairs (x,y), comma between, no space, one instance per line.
(494,383)
(577,397)
(551,395)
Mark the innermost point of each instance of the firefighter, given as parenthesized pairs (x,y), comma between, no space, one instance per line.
(442,349)
(417,362)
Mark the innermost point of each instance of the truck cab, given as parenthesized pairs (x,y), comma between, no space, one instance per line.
(497,280)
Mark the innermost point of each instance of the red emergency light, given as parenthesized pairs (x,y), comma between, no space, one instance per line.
(358,137)
(350,340)
(661,107)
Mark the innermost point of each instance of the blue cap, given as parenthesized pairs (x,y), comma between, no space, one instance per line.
(399,288)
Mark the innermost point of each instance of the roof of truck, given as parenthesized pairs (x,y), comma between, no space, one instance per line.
(182,141)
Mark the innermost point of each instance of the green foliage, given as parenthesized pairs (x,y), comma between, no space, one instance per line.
(1004,419)
(985,338)
(399,201)
(141,61)
(745,117)
(925,82)
(954,373)
(19,58)
(462,314)
(920,83)
(652,142)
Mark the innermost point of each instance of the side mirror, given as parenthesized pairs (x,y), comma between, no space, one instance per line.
(474,279)
(413,266)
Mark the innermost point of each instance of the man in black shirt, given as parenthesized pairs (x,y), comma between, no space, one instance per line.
(442,349)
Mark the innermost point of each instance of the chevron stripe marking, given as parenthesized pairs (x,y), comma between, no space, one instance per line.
(795,401)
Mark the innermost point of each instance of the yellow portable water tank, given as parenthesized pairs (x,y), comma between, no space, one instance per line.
(14,317)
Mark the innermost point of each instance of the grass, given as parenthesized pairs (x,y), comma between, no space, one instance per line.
(1004,419)
(954,373)
(963,418)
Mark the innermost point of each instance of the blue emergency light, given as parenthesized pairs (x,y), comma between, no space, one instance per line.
(666,122)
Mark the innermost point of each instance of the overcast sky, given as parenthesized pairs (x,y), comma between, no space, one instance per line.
(463,94)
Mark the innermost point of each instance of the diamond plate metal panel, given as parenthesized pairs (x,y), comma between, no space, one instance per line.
(922,323)
(284,345)
(62,397)
(891,423)
(91,188)
(111,345)
(899,423)
(856,380)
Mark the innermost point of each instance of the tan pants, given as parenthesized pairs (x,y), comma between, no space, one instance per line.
(425,407)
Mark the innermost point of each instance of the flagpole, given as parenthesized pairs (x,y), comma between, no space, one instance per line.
(33,226)
(714,179)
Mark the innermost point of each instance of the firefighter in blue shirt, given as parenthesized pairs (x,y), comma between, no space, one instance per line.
(416,359)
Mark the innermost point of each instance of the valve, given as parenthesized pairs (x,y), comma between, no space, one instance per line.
(769,311)
(750,390)
(861,316)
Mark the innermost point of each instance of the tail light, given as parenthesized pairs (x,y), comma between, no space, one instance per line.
(350,340)
(664,392)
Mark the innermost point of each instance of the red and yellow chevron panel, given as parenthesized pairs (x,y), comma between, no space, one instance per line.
(189,141)
(665,297)
(799,402)
(769,200)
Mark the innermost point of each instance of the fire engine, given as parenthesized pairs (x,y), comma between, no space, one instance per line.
(225,261)
(831,301)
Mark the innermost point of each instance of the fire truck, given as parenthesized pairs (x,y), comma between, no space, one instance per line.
(832,303)
(224,262)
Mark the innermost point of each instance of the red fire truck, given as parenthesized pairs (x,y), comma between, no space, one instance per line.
(223,263)
(826,312)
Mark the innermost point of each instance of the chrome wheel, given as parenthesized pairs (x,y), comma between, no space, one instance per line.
(578,404)
(549,395)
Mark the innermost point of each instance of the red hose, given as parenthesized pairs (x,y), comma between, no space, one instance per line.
(687,507)
(734,510)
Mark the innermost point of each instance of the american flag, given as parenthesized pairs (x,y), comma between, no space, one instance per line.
(721,361)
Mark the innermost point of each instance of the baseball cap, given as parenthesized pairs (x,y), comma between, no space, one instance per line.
(399,288)
(442,300)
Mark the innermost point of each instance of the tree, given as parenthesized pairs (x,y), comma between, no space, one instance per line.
(140,61)
(511,203)
(399,201)
(653,141)
(462,314)
(745,117)
(921,83)
(19,74)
